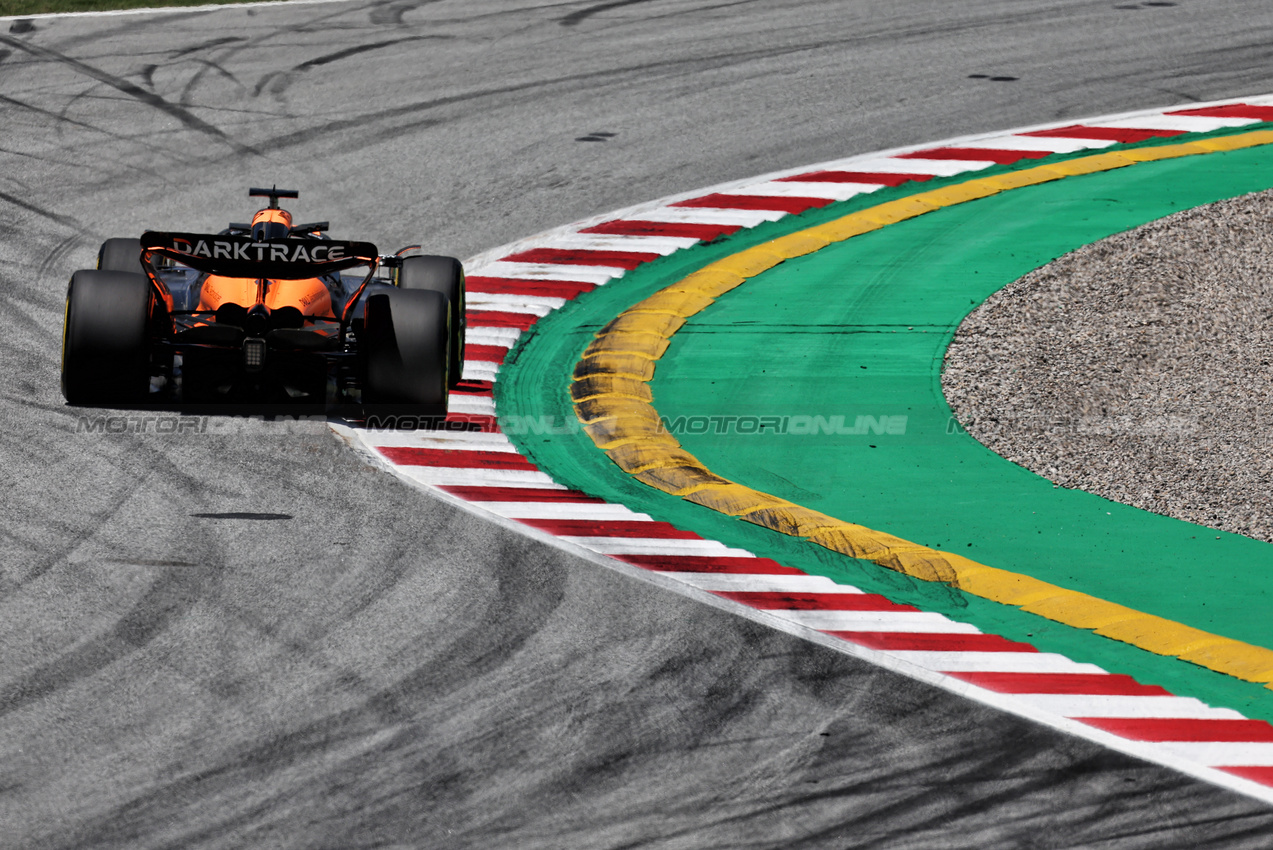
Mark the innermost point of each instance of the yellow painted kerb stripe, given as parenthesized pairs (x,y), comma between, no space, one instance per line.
(612,399)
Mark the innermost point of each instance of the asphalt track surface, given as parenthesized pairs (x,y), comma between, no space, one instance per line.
(251,637)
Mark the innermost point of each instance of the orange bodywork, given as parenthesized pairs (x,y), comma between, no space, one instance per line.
(308,295)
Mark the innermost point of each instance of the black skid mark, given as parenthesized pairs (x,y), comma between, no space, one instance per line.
(391,715)
(390,15)
(62,118)
(216,42)
(55,116)
(151,562)
(277,82)
(65,221)
(574,18)
(56,258)
(249,515)
(207,65)
(328,58)
(168,600)
(589,79)
(407,129)
(134,91)
(596,137)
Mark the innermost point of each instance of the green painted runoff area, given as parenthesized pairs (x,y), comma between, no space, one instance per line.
(858,330)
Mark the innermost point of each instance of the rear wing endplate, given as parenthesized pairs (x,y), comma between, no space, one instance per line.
(242,256)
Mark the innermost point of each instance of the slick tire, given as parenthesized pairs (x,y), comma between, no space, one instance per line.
(445,275)
(120,255)
(105,338)
(405,347)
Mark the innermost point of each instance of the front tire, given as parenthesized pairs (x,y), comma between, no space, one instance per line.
(405,347)
(105,338)
(445,275)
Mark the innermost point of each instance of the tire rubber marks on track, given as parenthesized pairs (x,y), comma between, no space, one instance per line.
(484,468)
(125,87)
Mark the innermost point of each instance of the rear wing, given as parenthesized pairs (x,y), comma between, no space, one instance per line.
(242,256)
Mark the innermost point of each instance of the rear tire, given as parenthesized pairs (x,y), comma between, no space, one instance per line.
(120,255)
(445,275)
(405,346)
(105,338)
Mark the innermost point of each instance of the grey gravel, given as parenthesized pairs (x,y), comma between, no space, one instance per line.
(1137,368)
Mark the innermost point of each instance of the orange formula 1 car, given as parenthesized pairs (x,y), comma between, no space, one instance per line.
(264,313)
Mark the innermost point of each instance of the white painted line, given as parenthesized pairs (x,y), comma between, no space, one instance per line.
(834,191)
(993,662)
(479,370)
(550,271)
(1103,705)
(877,621)
(1222,753)
(657,546)
(936,167)
(1049,144)
(491,335)
(708,215)
(563,510)
(952,166)
(1187,123)
(859,188)
(538,305)
(446,475)
(662,245)
(471,404)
